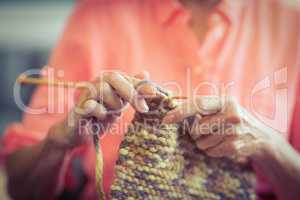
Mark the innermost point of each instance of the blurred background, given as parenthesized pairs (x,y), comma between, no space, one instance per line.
(28,31)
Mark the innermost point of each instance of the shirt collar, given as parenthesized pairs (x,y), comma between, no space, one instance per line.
(169,11)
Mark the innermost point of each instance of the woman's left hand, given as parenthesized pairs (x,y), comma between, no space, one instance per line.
(222,127)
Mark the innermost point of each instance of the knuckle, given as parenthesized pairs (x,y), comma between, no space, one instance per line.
(104,88)
(109,75)
(90,103)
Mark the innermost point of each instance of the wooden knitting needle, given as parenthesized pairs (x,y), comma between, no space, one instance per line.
(41,81)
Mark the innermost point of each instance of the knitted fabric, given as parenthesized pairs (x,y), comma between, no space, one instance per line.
(161,161)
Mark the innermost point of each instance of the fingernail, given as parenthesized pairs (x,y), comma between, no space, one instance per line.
(142,106)
(89,105)
(150,90)
(210,105)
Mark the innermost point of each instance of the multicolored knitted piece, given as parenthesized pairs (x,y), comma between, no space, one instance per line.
(160,161)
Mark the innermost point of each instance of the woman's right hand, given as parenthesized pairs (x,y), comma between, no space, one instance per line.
(102,104)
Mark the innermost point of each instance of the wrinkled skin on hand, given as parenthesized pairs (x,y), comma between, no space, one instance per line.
(221,127)
(101,105)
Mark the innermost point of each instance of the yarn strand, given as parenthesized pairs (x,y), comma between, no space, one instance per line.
(99,169)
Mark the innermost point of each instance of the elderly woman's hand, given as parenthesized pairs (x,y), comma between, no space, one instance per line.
(221,127)
(100,105)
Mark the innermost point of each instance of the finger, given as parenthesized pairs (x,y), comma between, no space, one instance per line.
(233,140)
(209,141)
(94,109)
(204,105)
(126,90)
(224,149)
(183,111)
(223,122)
(144,86)
(209,124)
(232,110)
(147,87)
(83,97)
(195,131)
(246,144)
(216,126)
(207,105)
(109,96)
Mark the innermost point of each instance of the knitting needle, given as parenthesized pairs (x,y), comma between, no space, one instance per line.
(41,81)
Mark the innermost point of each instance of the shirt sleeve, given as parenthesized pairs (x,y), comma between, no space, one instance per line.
(70,60)
(89,45)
